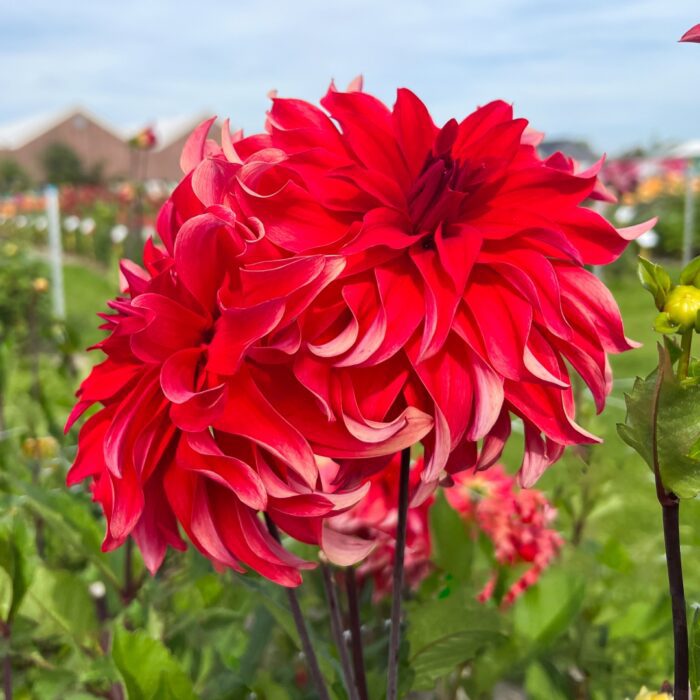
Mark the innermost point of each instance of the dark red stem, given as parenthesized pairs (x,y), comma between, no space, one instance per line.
(303,632)
(358,659)
(397,588)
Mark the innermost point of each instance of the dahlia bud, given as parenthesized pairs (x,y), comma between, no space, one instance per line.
(655,280)
(682,306)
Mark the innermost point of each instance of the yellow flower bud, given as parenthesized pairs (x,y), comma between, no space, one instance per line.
(40,448)
(48,447)
(29,448)
(682,306)
(40,285)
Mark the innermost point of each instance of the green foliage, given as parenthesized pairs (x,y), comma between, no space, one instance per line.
(62,165)
(148,669)
(16,568)
(663,426)
(453,547)
(13,177)
(445,633)
(547,610)
(656,280)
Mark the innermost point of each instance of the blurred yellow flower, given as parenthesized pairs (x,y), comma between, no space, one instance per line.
(645,694)
(40,448)
(10,249)
(40,285)
(650,189)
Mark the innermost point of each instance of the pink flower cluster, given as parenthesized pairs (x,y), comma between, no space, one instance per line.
(517,521)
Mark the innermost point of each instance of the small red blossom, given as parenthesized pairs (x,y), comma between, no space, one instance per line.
(375,518)
(692,35)
(144,140)
(517,521)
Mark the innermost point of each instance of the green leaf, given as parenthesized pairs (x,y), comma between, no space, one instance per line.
(14,543)
(664,324)
(670,412)
(148,669)
(453,548)
(447,632)
(546,610)
(640,620)
(70,517)
(283,617)
(690,272)
(614,555)
(543,683)
(61,605)
(655,279)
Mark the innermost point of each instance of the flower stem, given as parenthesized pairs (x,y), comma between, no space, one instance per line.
(356,633)
(670,510)
(337,630)
(303,632)
(397,588)
(684,361)
(7,662)
(129,570)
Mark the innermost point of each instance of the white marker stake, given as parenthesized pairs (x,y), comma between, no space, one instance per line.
(55,251)
(689,214)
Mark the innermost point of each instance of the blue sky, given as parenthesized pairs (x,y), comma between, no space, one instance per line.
(606,70)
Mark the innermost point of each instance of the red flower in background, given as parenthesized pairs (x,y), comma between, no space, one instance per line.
(144,140)
(375,518)
(464,291)
(516,521)
(692,35)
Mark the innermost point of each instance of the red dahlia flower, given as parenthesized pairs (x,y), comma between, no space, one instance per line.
(516,521)
(375,518)
(464,293)
(185,432)
(692,35)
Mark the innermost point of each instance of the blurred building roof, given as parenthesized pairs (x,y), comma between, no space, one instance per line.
(18,133)
(96,142)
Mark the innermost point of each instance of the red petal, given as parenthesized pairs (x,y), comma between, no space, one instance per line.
(193,152)
(692,35)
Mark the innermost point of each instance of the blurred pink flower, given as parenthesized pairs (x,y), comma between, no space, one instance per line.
(515,520)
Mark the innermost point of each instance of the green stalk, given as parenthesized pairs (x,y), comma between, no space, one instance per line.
(684,362)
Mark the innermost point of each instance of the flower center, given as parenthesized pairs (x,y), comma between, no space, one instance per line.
(434,196)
